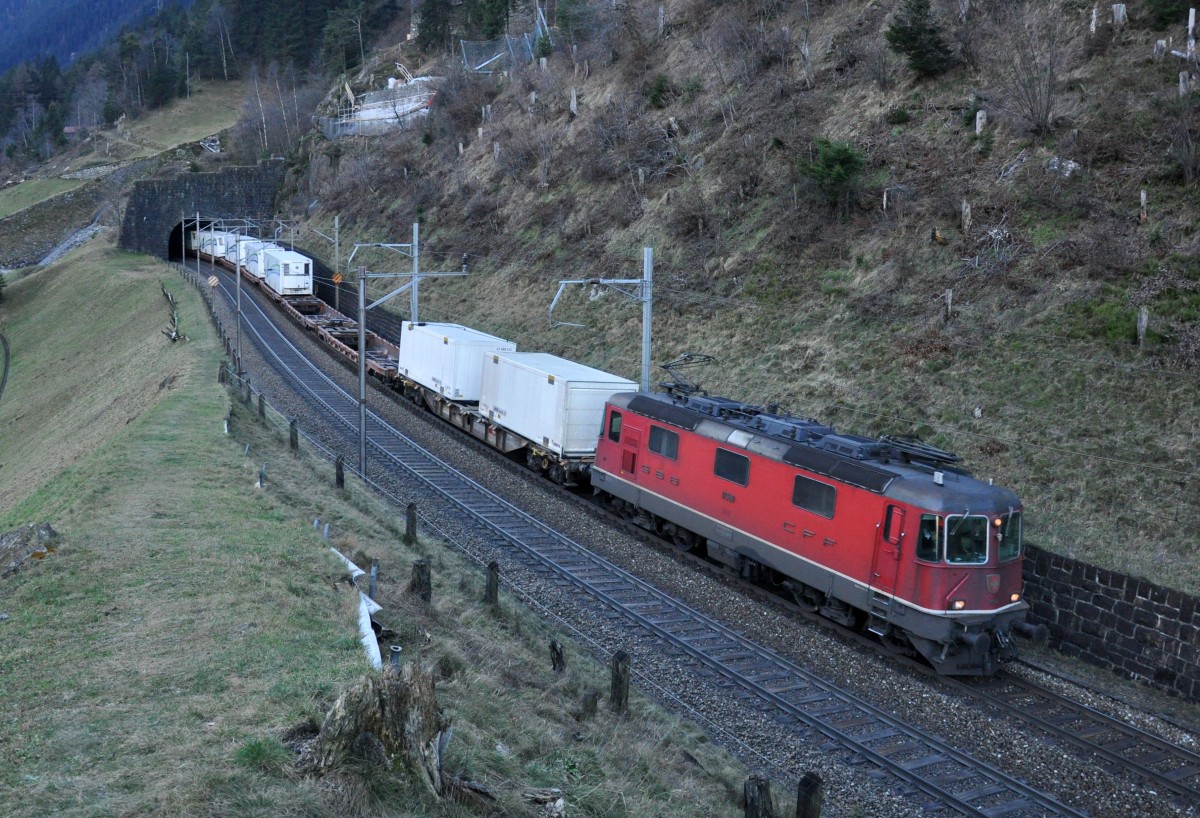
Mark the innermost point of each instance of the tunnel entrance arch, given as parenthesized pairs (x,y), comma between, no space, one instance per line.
(178,244)
(159,209)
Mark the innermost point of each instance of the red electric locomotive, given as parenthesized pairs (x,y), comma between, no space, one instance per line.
(885,533)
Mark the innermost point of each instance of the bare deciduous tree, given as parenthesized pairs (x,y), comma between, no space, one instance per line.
(1034,53)
(1185,140)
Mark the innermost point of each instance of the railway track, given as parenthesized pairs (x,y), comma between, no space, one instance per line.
(947,778)
(1118,746)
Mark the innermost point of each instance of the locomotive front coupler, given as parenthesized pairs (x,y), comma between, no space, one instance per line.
(979,643)
(1039,633)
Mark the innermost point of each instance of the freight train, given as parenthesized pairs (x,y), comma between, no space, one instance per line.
(889,535)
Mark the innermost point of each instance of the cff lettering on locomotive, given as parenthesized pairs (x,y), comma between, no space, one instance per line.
(888,534)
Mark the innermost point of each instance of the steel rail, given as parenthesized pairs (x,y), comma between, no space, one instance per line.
(921,760)
(1163,764)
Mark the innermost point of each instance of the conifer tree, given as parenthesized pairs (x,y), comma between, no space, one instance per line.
(916,35)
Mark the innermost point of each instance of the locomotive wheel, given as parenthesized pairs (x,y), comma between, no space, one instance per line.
(683,539)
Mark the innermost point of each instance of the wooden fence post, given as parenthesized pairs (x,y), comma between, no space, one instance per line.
(619,695)
(591,701)
(558,659)
(809,796)
(421,583)
(339,472)
(410,524)
(758,797)
(262,405)
(293,435)
(491,593)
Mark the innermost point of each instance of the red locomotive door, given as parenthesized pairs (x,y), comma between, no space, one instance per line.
(886,563)
(631,439)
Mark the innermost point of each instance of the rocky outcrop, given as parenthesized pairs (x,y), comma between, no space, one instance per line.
(33,541)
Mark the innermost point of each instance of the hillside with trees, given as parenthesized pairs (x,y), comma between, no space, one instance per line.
(904,217)
(63,29)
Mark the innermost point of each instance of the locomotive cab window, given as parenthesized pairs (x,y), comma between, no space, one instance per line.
(1009,535)
(732,467)
(664,442)
(929,540)
(815,496)
(966,539)
(614,427)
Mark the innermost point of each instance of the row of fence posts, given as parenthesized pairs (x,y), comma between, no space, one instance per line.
(758,803)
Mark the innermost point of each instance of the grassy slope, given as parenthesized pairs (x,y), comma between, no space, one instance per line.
(213,107)
(177,617)
(187,618)
(27,194)
(839,317)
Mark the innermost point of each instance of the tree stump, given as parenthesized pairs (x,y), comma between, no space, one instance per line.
(421,583)
(758,797)
(383,720)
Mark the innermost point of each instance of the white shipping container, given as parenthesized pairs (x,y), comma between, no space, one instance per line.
(555,403)
(243,249)
(215,242)
(287,272)
(447,358)
(254,257)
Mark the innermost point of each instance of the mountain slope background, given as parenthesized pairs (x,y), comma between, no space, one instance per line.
(868,300)
(31,30)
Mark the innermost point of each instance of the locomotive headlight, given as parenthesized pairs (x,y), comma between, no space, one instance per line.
(958,604)
(1015,597)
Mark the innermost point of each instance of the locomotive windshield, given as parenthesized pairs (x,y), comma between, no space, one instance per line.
(966,539)
(1009,535)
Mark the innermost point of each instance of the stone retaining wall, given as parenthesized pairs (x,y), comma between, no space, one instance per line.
(1116,621)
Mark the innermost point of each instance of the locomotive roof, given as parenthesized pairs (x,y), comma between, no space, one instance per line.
(901,468)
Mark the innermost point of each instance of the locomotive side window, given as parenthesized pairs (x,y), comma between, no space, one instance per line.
(814,496)
(732,467)
(1009,534)
(966,539)
(664,442)
(614,427)
(929,541)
